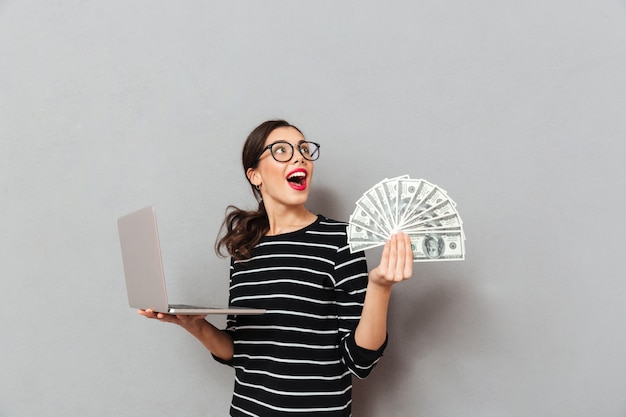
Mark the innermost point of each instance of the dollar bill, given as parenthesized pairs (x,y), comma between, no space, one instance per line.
(372,205)
(440,246)
(363,218)
(408,190)
(447,220)
(432,197)
(414,207)
(391,189)
(385,205)
(420,208)
(361,238)
(444,208)
(441,217)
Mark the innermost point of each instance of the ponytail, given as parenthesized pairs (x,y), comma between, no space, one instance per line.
(242,230)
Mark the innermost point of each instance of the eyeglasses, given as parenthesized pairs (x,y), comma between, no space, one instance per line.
(282,151)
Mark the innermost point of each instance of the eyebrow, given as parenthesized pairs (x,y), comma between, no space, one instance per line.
(286,141)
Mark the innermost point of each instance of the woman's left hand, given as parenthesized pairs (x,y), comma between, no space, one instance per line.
(396,265)
(396,262)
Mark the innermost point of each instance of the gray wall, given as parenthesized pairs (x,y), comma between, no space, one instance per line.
(516,108)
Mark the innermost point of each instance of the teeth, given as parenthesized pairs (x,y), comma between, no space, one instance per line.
(297,174)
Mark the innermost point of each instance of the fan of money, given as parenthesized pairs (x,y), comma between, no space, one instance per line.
(418,208)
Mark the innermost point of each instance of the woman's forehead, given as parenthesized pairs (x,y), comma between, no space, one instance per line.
(287,133)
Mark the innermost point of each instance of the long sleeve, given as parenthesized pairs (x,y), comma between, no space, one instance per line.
(351,282)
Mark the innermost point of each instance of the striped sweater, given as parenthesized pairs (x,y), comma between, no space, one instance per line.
(299,358)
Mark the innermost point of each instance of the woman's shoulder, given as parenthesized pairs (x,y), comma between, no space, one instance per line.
(329,229)
(324,222)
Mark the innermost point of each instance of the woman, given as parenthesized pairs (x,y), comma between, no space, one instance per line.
(326,316)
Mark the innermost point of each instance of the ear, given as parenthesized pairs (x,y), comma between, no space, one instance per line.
(253,176)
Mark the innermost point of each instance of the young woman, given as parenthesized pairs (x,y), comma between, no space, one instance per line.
(326,315)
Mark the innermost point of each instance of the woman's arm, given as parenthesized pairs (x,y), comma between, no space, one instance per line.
(218,342)
(396,265)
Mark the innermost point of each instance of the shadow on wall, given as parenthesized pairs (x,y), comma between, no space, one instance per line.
(418,319)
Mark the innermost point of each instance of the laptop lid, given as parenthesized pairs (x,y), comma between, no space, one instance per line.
(143,267)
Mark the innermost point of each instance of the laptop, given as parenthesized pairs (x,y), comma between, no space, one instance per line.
(143,268)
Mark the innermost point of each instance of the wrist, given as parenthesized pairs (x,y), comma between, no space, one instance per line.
(195,327)
(381,287)
(378,294)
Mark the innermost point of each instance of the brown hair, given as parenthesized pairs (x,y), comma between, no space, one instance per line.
(242,230)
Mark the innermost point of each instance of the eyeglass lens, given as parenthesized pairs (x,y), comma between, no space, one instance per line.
(283,151)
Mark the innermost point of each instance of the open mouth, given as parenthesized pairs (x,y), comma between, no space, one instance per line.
(297,179)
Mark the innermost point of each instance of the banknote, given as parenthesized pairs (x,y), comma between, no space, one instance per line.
(391,188)
(444,208)
(372,209)
(361,238)
(432,197)
(362,218)
(417,207)
(408,191)
(440,246)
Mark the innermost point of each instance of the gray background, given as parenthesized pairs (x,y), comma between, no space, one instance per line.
(515,107)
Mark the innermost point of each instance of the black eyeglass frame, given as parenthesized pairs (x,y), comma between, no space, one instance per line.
(282,142)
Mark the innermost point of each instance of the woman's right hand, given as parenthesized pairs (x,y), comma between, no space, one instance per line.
(186,321)
(218,342)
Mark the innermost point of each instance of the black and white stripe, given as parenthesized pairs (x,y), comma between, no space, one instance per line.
(299,357)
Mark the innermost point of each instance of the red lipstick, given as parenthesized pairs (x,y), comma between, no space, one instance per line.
(297,179)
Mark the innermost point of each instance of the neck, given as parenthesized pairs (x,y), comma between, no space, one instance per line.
(288,219)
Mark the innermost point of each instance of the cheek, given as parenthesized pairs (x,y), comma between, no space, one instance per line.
(271,174)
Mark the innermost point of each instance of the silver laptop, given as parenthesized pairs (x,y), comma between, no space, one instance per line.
(143,268)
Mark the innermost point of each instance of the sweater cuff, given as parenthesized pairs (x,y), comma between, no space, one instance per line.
(361,355)
(222,361)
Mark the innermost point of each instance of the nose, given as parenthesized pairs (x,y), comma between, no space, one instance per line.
(297,157)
